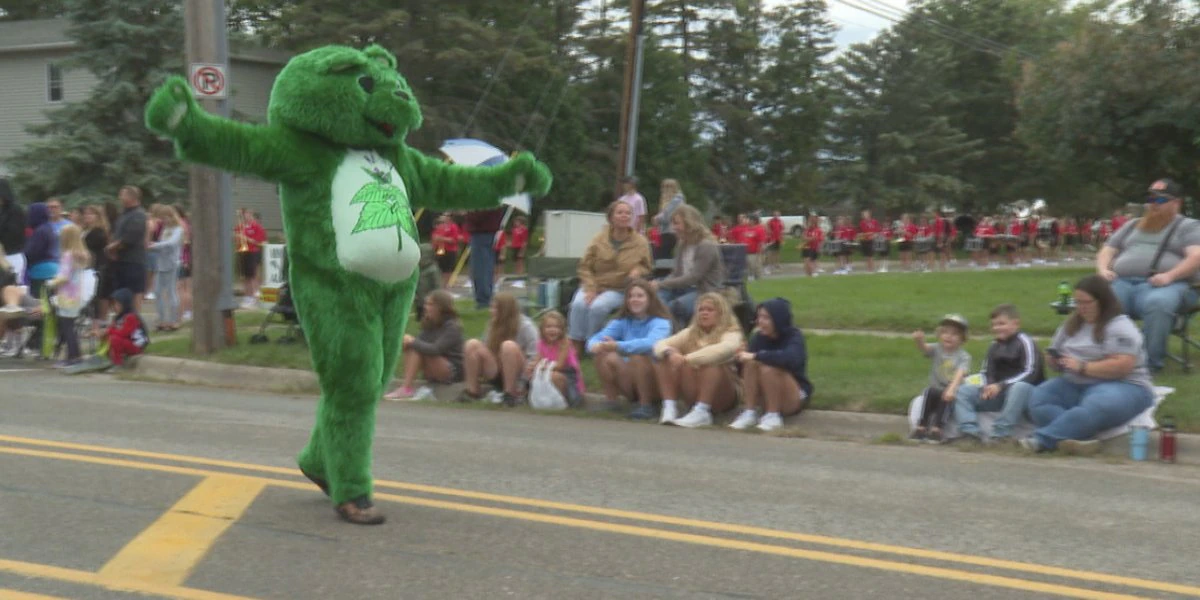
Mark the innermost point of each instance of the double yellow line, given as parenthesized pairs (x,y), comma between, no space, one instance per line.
(193,525)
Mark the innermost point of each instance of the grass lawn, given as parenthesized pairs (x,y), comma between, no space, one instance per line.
(907,301)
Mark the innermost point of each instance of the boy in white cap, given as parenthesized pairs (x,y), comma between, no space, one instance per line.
(950,363)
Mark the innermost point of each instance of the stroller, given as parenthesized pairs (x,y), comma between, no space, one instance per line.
(283,312)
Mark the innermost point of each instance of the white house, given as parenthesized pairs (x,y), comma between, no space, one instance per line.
(34,82)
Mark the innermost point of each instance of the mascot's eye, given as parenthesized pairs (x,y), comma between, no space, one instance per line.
(403,95)
(366,83)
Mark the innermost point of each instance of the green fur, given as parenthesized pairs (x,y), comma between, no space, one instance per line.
(321,119)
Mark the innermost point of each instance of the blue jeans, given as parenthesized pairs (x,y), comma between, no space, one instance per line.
(584,320)
(166,298)
(1011,402)
(483,267)
(681,302)
(1156,308)
(1069,411)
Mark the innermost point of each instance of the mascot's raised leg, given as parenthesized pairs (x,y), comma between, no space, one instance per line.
(348,321)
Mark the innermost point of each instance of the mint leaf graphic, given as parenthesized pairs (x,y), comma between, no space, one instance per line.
(384,205)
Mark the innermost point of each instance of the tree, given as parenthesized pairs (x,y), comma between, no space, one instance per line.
(89,149)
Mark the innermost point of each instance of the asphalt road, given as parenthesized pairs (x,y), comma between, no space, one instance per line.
(111,489)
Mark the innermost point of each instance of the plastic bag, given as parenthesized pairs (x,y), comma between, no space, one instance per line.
(543,395)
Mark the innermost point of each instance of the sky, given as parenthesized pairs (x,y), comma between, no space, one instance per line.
(855,25)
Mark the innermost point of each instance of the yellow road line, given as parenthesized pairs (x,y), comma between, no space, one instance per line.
(731,544)
(981,561)
(168,550)
(116,585)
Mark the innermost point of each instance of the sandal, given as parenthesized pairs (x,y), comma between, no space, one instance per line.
(360,511)
(321,483)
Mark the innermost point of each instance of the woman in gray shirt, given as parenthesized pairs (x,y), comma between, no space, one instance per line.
(1104,382)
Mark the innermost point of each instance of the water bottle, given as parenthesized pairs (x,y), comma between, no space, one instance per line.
(1166,440)
(1139,438)
(1064,298)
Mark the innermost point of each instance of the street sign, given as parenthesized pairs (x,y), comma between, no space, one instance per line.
(209,81)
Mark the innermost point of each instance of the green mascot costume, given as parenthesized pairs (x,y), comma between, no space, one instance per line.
(334,143)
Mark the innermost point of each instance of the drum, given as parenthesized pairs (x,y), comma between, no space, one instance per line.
(880,244)
(924,245)
(974,244)
(831,247)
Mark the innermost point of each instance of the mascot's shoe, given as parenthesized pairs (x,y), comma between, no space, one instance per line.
(321,483)
(360,511)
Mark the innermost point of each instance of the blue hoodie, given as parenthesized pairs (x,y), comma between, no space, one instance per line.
(41,249)
(786,350)
(633,336)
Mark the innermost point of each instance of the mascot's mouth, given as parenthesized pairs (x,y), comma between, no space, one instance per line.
(386,128)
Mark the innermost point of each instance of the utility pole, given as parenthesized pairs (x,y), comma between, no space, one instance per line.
(631,100)
(210,189)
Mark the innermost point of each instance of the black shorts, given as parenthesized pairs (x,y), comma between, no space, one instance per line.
(905,246)
(774,246)
(868,248)
(250,262)
(447,260)
(811,254)
(130,276)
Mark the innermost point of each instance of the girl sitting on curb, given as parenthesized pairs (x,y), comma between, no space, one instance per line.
(624,347)
(437,351)
(697,364)
(773,369)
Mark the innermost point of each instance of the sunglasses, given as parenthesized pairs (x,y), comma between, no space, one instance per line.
(1158,199)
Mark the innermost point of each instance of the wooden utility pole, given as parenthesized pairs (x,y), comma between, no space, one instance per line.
(209,190)
(631,99)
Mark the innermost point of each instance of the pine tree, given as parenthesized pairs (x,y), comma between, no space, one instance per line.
(89,149)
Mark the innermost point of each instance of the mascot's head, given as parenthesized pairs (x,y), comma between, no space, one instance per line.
(352,97)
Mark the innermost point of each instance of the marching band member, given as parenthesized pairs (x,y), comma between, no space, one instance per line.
(868,230)
(924,242)
(942,239)
(846,233)
(1017,244)
(908,235)
(985,233)
(813,238)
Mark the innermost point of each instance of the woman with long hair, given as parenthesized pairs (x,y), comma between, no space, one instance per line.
(696,364)
(166,252)
(698,268)
(437,351)
(184,286)
(95,237)
(554,346)
(669,200)
(509,342)
(623,349)
(616,256)
(774,369)
(1105,381)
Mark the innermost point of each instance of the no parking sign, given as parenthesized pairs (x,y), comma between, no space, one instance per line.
(209,81)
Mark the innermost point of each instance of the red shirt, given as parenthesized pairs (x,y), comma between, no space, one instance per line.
(738,233)
(924,231)
(655,238)
(845,232)
(255,235)
(754,237)
(1118,221)
(940,228)
(1104,230)
(446,237)
(774,230)
(1031,227)
(520,237)
(1014,228)
(910,232)
(983,230)
(869,226)
(1071,229)
(814,237)
(498,245)
(720,231)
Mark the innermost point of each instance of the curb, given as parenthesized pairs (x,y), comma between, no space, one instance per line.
(820,423)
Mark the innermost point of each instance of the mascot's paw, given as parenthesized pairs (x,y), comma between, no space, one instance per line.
(171,102)
(360,511)
(532,176)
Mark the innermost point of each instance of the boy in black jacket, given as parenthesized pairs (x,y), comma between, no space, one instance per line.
(1011,370)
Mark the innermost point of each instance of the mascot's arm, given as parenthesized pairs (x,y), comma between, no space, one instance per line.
(444,186)
(271,153)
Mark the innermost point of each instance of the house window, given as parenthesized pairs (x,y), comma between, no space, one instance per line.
(54,83)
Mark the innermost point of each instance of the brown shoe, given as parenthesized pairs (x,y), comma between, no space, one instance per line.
(321,483)
(360,511)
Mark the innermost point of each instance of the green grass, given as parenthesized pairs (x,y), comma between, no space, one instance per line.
(907,301)
(851,372)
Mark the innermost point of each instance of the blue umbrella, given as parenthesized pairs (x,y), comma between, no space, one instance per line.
(472,152)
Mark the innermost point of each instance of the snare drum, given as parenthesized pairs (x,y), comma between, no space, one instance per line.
(973,244)
(880,245)
(924,245)
(832,247)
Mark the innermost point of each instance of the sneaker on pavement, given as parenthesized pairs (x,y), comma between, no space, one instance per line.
(400,393)
(495,397)
(770,422)
(697,417)
(669,414)
(642,412)
(917,435)
(1030,444)
(744,421)
(1079,447)
(423,393)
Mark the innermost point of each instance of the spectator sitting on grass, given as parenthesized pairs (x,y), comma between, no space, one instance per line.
(437,351)
(623,349)
(949,367)
(127,335)
(1105,381)
(774,369)
(554,346)
(696,364)
(1012,368)
(500,357)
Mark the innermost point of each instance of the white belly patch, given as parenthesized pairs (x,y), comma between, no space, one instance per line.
(372,220)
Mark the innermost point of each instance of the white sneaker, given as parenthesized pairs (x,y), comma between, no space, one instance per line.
(423,393)
(495,397)
(669,413)
(150,295)
(697,417)
(745,420)
(770,422)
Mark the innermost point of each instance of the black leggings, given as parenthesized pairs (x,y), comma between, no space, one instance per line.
(67,335)
(936,410)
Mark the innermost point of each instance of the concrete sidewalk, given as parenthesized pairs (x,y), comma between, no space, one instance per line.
(824,424)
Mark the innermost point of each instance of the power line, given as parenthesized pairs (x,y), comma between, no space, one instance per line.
(903,13)
(943,31)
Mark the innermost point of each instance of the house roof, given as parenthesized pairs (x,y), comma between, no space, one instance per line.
(36,35)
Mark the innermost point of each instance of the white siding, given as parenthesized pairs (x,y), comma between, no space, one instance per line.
(250,88)
(23,96)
